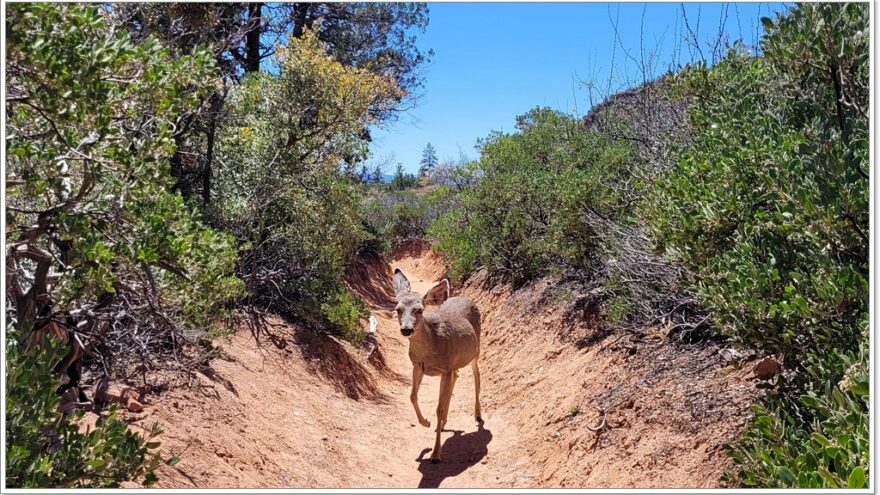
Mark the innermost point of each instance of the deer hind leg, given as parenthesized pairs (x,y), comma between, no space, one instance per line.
(447,382)
(477,411)
(418,373)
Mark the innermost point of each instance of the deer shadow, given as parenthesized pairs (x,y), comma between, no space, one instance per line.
(460,451)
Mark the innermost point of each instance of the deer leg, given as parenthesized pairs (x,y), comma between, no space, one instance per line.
(418,373)
(477,410)
(446,382)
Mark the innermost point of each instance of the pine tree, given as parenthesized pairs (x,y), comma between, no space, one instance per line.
(399,180)
(429,160)
(376,174)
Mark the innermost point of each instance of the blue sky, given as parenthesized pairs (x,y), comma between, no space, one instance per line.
(494,61)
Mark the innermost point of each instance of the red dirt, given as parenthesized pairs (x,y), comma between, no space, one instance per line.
(321,413)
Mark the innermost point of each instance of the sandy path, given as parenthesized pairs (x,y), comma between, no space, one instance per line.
(320,413)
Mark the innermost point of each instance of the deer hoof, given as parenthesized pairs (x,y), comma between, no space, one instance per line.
(425,423)
(479,419)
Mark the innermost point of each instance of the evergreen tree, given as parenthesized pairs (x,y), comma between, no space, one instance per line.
(429,160)
(376,174)
(399,180)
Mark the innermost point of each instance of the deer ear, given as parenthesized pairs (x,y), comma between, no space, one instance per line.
(400,283)
(438,293)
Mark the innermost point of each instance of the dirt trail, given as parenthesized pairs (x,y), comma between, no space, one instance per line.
(321,413)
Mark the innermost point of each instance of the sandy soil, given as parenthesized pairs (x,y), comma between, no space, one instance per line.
(320,413)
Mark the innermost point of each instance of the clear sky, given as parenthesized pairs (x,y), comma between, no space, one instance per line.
(494,61)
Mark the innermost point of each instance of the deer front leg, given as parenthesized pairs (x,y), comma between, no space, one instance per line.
(418,373)
(447,380)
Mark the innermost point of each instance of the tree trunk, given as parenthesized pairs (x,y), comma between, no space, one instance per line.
(300,18)
(209,166)
(216,108)
(252,39)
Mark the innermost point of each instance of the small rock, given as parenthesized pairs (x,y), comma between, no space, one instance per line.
(730,355)
(108,391)
(767,368)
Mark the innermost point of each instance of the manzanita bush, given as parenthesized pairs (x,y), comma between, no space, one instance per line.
(769,210)
(94,231)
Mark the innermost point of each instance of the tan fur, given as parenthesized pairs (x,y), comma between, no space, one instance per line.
(440,343)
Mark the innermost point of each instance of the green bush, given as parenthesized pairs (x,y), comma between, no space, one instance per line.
(45,449)
(95,233)
(830,452)
(393,217)
(768,208)
(344,311)
(525,215)
(280,185)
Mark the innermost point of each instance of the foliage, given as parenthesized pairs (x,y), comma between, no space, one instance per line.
(393,217)
(88,143)
(781,248)
(94,235)
(244,38)
(280,187)
(378,37)
(46,449)
(344,312)
(525,214)
(402,180)
(830,452)
(429,160)
(769,210)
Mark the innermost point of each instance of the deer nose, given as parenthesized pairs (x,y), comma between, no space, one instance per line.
(406,331)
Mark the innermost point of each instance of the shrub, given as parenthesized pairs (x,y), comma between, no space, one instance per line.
(95,235)
(525,215)
(393,217)
(344,311)
(769,210)
(280,186)
(46,449)
(88,156)
(829,451)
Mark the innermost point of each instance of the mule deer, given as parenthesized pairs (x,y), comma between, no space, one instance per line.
(440,343)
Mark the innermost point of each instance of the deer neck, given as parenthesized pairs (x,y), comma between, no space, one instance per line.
(423,340)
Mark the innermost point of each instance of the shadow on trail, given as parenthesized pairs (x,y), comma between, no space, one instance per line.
(459,453)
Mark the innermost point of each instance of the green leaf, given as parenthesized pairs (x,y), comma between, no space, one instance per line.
(786,475)
(820,439)
(857,479)
(829,479)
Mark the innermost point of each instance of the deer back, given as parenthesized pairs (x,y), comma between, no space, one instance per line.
(452,337)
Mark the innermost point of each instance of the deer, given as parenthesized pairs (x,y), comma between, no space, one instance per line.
(440,343)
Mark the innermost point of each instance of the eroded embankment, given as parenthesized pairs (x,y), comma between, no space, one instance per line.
(315,412)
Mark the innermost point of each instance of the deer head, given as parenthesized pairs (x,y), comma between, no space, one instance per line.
(411,305)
